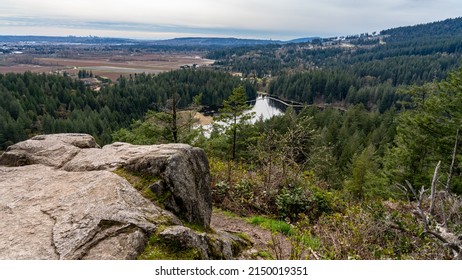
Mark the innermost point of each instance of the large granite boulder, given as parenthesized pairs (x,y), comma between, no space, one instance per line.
(53,214)
(50,150)
(59,198)
(183,170)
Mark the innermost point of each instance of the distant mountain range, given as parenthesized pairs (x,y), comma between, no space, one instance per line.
(448,27)
(304,40)
(176,42)
(205,41)
(63,39)
(208,41)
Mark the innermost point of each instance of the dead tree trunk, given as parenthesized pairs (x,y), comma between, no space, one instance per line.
(433,189)
(451,169)
(434,223)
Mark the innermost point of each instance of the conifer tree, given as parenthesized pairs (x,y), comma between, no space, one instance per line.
(426,133)
(234,115)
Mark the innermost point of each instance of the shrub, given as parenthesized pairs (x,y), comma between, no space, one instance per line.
(374,230)
(292,201)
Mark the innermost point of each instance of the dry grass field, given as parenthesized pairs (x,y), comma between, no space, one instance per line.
(108,66)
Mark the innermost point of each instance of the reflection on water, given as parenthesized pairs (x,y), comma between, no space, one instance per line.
(266,108)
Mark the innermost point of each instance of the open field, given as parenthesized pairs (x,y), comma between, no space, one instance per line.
(108,66)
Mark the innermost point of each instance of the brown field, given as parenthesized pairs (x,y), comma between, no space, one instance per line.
(110,66)
(203,120)
(197,117)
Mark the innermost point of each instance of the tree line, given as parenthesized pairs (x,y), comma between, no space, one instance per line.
(40,103)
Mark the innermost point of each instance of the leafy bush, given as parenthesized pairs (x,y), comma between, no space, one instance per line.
(292,201)
(310,201)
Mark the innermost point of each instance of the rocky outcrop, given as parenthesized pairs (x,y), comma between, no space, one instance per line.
(53,214)
(221,245)
(50,150)
(183,170)
(60,199)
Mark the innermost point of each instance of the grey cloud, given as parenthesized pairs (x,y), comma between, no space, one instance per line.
(238,18)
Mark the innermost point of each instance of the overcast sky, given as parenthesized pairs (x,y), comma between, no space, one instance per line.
(263,19)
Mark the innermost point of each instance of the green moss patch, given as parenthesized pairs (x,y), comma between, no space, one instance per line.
(143,182)
(263,255)
(161,249)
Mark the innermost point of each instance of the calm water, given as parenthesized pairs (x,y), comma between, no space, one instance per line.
(266,108)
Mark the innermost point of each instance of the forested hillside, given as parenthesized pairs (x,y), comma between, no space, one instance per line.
(368,70)
(37,103)
(444,28)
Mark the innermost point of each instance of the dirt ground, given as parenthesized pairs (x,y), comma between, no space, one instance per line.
(108,66)
(203,120)
(261,238)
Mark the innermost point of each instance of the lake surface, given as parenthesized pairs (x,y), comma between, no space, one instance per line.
(266,107)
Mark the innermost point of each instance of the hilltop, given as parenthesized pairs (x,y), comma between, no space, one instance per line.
(447,27)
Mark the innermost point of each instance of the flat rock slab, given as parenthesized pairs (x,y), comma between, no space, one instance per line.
(53,214)
(59,198)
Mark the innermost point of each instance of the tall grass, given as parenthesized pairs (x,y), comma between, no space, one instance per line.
(272,224)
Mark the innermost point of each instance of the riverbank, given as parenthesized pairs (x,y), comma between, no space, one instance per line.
(202,119)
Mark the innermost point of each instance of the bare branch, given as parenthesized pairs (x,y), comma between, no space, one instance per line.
(401,188)
(433,227)
(421,196)
(437,235)
(411,188)
(451,169)
(433,189)
(276,246)
(314,254)
(453,246)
